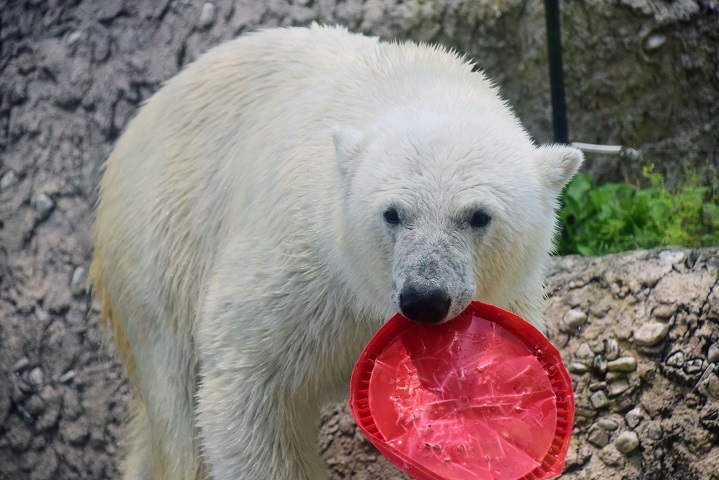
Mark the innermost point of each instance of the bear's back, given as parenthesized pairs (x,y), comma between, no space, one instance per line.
(206,156)
(239,143)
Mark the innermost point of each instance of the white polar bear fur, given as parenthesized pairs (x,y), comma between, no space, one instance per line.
(241,252)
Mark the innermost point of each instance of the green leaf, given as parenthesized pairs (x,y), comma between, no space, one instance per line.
(613,217)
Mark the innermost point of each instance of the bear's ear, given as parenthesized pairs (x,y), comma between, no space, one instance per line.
(349,143)
(558,164)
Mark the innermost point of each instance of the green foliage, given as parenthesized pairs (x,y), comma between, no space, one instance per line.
(615,217)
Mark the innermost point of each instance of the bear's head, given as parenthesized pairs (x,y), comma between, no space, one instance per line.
(442,208)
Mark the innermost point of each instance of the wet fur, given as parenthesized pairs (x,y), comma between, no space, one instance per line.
(240,253)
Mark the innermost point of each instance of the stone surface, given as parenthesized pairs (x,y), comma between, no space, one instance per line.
(611,349)
(623,364)
(584,352)
(653,399)
(627,442)
(618,387)
(633,417)
(44,204)
(713,353)
(574,318)
(713,386)
(73,73)
(611,456)
(577,367)
(676,360)
(599,399)
(207,15)
(8,179)
(598,436)
(655,431)
(78,280)
(608,423)
(651,333)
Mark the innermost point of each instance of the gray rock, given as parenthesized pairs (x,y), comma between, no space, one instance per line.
(671,256)
(77,282)
(654,41)
(654,431)
(623,364)
(676,359)
(600,363)
(35,377)
(651,333)
(712,386)
(610,456)
(599,400)
(593,387)
(627,442)
(598,436)
(67,376)
(634,417)
(713,353)
(73,38)
(20,365)
(44,204)
(607,423)
(576,367)
(617,388)
(207,15)
(585,412)
(574,318)
(8,179)
(694,366)
(583,351)
(611,348)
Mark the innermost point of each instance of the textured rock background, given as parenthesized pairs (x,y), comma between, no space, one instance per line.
(641,73)
(639,333)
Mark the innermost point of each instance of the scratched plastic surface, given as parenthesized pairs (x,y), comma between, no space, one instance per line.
(468,399)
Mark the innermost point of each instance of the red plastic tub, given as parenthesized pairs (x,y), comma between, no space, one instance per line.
(483,396)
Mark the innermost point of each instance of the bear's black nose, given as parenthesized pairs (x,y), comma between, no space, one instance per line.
(426,305)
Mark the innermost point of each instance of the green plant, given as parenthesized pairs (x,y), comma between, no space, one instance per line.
(614,217)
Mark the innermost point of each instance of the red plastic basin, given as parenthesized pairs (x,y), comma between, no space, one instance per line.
(483,396)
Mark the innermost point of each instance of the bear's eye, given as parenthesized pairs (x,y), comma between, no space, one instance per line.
(479,219)
(391,216)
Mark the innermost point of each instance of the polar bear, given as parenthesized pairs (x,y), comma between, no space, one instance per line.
(277,201)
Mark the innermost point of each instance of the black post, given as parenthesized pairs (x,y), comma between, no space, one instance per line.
(556,73)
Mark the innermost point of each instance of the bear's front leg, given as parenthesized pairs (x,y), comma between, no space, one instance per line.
(258,399)
(252,429)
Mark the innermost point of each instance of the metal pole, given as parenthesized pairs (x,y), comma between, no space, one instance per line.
(556,73)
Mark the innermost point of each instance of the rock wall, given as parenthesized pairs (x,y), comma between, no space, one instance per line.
(639,333)
(72,74)
(640,73)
